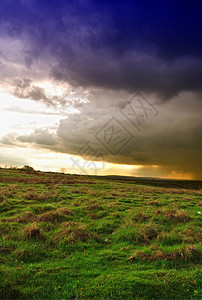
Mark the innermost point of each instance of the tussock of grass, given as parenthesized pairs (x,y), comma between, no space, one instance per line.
(94,216)
(141,217)
(4,206)
(178,216)
(170,238)
(30,195)
(155,203)
(187,253)
(9,292)
(41,208)
(8,192)
(33,232)
(94,207)
(188,199)
(73,232)
(75,192)
(137,233)
(158,212)
(180,235)
(7,249)
(28,217)
(58,215)
(147,233)
(41,197)
(192,236)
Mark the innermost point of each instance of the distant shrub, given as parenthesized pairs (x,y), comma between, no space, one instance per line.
(28,169)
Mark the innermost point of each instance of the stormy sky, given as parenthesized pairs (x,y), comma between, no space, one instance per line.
(102,87)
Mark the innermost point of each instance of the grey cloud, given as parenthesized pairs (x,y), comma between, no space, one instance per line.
(23,88)
(9,139)
(35,112)
(40,137)
(26,89)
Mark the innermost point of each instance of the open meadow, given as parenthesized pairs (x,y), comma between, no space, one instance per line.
(87,237)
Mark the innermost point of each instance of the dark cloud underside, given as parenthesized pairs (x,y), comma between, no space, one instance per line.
(146,45)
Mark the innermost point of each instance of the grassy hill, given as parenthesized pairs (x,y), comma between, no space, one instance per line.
(84,237)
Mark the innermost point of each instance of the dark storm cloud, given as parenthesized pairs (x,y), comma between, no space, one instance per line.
(151,46)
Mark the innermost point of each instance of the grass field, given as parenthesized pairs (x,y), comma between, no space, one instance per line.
(82,237)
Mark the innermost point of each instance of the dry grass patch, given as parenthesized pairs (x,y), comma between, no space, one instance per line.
(94,207)
(200,203)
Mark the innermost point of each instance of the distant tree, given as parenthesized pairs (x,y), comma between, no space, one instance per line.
(13,168)
(63,170)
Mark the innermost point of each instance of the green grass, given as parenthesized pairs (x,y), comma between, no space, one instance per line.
(83,237)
